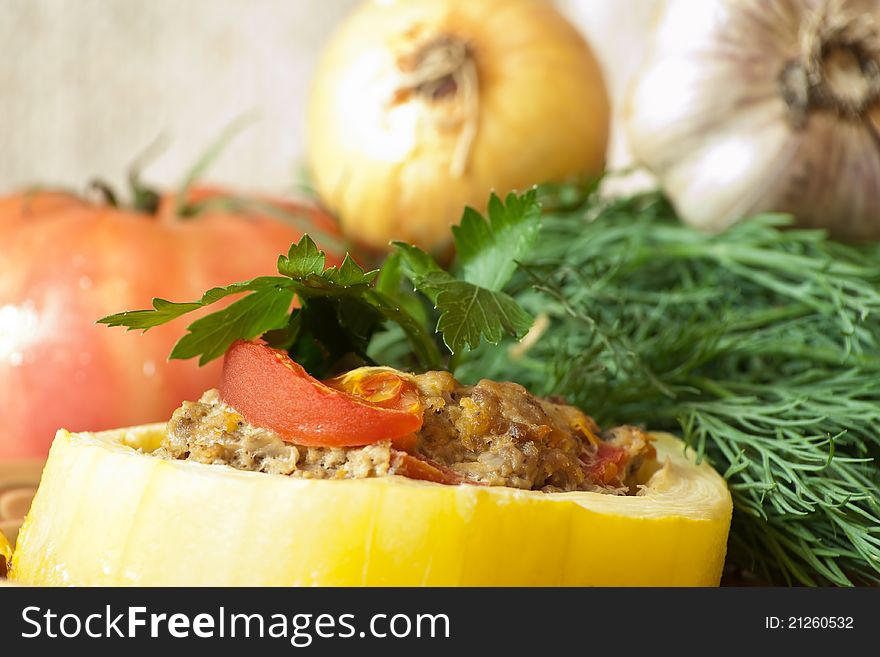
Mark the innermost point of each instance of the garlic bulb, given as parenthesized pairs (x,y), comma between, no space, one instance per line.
(420,107)
(746,106)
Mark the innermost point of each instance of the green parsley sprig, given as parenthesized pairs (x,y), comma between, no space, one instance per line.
(340,308)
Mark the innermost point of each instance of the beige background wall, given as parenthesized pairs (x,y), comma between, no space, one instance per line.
(86,84)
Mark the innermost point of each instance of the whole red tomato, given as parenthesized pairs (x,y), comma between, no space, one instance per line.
(65,262)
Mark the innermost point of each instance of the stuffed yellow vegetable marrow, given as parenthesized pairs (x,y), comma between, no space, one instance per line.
(110,513)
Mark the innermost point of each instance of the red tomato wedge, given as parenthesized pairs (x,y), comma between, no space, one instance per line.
(272,391)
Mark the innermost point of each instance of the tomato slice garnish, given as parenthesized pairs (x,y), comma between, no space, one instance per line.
(274,392)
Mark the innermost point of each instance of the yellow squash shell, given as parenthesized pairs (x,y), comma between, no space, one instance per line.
(109,513)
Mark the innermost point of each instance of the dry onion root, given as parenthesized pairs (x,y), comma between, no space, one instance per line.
(748,106)
(108,514)
(424,106)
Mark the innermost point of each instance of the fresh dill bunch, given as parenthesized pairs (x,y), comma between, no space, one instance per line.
(760,346)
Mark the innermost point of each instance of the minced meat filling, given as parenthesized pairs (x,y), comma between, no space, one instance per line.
(492,433)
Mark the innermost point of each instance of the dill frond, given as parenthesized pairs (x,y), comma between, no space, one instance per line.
(760,346)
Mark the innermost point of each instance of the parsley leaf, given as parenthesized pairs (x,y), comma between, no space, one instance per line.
(302,260)
(424,272)
(209,337)
(470,312)
(488,250)
(305,263)
(350,274)
(472,306)
(165,311)
(467,311)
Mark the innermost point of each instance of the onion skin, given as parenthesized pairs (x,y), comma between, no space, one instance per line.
(384,161)
(709,116)
(107,514)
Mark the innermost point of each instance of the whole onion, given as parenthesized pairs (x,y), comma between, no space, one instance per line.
(421,107)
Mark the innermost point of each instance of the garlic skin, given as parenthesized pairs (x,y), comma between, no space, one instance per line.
(750,106)
(421,107)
